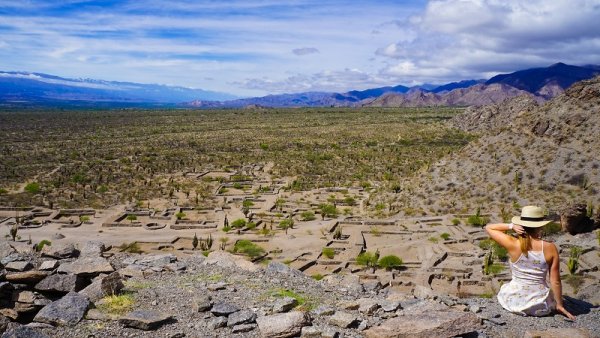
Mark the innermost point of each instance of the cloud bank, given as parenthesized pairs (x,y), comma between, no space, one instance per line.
(243,47)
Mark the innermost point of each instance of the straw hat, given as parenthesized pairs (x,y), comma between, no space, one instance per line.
(531,217)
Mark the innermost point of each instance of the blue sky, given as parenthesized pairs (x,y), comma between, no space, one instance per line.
(251,47)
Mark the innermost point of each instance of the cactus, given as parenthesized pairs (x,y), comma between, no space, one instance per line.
(195,241)
(573,262)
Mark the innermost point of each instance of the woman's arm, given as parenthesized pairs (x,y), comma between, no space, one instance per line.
(555,283)
(498,231)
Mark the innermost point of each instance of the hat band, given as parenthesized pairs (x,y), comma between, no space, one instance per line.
(532,219)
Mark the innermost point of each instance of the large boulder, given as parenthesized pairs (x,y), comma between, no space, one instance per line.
(145,320)
(59,283)
(227,260)
(87,266)
(60,251)
(574,219)
(283,325)
(66,311)
(92,248)
(440,323)
(103,286)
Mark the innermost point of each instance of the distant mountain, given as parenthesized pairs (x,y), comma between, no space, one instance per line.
(546,82)
(456,85)
(477,95)
(35,88)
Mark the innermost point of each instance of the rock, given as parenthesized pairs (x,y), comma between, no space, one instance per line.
(19,266)
(145,319)
(27,277)
(558,333)
(282,325)
(284,304)
(21,331)
(590,294)
(6,291)
(95,314)
(574,219)
(13,257)
(202,303)
(68,310)
(426,324)
(87,266)
(132,270)
(227,260)
(474,309)
(373,286)
(3,323)
(350,283)
(60,251)
(218,323)
(22,247)
(330,332)
(216,286)
(6,249)
(280,268)
(241,317)
(343,319)
(49,265)
(103,286)
(9,313)
(24,297)
(224,309)
(243,328)
(92,248)
(177,266)
(389,305)
(349,305)
(423,292)
(323,310)
(367,306)
(363,325)
(59,283)
(310,332)
(157,261)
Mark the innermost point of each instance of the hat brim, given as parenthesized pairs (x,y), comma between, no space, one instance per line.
(529,224)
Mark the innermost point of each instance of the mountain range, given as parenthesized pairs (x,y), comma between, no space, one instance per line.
(541,84)
(23,88)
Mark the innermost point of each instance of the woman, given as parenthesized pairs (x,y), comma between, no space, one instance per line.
(531,258)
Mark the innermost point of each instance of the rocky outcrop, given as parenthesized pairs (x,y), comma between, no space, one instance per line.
(68,310)
(574,219)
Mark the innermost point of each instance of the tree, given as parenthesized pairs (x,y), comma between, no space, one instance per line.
(367,259)
(180,215)
(286,224)
(328,210)
(131,217)
(279,203)
(238,223)
(195,241)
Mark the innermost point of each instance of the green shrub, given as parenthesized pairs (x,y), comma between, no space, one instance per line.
(132,247)
(117,305)
(328,252)
(445,236)
(573,262)
(40,245)
(248,248)
(366,259)
(390,262)
(308,216)
(498,251)
(552,228)
(250,225)
(317,276)
(238,223)
(455,221)
(433,239)
(226,228)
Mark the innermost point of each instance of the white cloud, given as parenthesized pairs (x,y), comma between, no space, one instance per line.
(305,51)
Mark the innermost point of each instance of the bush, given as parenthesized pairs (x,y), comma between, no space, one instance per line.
(499,251)
(573,262)
(328,252)
(366,259)
(41,244)
(455,221)
(248,248)
(445,236)
(308,216)
(117,305)
(238,223)
(317,276)
(132,247)
(552,228)
(390,262)
(477,221)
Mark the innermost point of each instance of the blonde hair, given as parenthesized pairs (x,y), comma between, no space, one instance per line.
(525,239)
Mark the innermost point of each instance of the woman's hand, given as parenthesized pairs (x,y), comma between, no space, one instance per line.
(562,310)
(518,229)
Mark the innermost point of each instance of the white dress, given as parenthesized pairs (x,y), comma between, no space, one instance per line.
(528,293)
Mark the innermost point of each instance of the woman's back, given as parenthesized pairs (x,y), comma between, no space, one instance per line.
(531,268)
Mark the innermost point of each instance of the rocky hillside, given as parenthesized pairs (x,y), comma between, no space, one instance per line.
(94,291)
(476,95)
(526,154)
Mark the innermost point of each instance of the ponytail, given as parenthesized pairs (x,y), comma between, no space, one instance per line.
(525,243)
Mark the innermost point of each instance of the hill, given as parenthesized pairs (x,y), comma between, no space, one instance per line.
(546,82)
(525,154)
